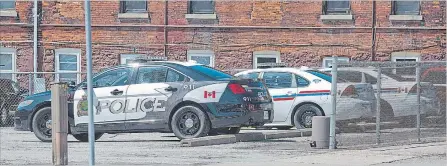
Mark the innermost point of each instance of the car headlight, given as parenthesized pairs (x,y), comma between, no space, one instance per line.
(25,103)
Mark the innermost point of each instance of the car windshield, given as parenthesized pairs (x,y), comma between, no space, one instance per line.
(324,75)
(210,72)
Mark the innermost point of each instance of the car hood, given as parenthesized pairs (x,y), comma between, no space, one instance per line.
(43,96)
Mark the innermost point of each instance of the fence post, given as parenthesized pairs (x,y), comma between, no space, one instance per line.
(59,116)
(418,85)
(30,84)
(332,141)
(379,87)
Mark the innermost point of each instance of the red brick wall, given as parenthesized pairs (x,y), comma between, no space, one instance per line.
(233,47)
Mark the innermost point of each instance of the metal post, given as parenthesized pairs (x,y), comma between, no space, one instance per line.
(59,123)
(88,42)
(418,85)
(35,46)
(332,141)
(378,98)
(30,85)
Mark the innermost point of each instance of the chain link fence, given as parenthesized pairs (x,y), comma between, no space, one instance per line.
(15,86)
(408,100)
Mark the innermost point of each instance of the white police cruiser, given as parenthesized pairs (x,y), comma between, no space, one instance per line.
(189,99)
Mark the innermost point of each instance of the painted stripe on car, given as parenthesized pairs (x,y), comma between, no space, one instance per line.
(302,93)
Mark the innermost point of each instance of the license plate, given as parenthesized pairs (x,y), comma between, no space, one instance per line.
(266,115)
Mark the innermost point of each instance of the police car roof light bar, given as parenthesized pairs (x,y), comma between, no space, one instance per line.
(147,59)
(271,65)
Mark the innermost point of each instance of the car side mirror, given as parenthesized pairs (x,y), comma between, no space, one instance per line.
(71,84)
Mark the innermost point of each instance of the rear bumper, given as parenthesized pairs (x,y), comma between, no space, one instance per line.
(252,118)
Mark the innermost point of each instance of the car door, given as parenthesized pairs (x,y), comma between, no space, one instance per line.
(109,94)
(148,97)
(282,86)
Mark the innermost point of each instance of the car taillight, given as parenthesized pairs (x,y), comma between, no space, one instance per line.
(349,91)
(236,88)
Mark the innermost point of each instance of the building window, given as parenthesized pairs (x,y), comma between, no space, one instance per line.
(405,57)
(68,63)
(327,61)
(201,7)
(333,7)
(133,6)
(406,7)
(125,58)
(205,57)
(7,63)
(7,5)
(265,57)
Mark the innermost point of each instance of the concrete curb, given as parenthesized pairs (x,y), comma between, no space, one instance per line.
(243,137)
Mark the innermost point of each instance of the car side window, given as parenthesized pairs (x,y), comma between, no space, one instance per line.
(117,77)
(174,76)
(351,76)
(278,79)
(151,75)
(370,79)
(301,81)
(250,75)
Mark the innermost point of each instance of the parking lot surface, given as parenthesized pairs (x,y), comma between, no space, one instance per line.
(23,148)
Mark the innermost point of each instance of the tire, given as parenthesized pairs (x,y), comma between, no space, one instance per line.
(225,130)
(284,127)
(5,119)
(386,111)
(39,124)
(302,118)
(190,122)
(84,136)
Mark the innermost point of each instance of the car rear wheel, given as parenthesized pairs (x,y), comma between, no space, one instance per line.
(304,114)
(190,122)
(41,124)
(386,111)
(84,136)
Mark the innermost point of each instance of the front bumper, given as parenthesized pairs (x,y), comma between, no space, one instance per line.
(21,121)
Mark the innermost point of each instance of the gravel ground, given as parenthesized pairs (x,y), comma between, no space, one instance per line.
(437,160)
(23,148)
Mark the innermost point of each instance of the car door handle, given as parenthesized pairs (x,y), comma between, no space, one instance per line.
(116,92)
(171,89)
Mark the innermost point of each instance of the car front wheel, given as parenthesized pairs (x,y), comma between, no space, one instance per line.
(42,124)
(190,122)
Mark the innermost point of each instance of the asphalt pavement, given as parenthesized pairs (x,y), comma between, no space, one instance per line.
(23,148)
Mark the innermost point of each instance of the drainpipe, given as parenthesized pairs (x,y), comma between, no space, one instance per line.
(35,43)
(373,45)
(165,45)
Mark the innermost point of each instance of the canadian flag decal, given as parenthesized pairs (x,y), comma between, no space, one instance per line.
(210,94)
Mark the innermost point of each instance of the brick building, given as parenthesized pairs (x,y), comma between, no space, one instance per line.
(222,34)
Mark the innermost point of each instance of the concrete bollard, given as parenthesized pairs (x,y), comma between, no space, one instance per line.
(59,126)
(320,132)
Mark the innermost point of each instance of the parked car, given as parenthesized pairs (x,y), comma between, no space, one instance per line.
(437,76)
(298,95)
(188,99)
(398,93)
(11,94)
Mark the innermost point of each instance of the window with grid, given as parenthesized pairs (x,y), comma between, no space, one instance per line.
(7,5)
(201,6)
(139,6)
(406,7)
(334,7)
(68,64)
(7,65)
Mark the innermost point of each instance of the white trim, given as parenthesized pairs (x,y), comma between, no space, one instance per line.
(70,51)
(265,54)
(202,53)
(13,53)
(331,59)
(124,57)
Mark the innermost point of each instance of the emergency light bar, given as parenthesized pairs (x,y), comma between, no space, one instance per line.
(270,65)
(147,59)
